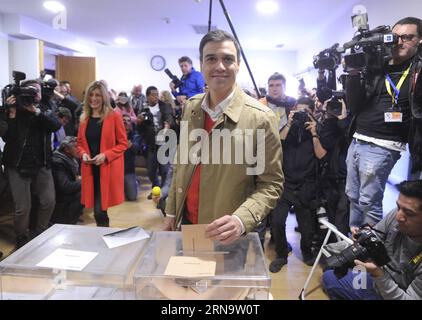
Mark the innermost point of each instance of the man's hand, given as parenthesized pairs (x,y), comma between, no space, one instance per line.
(172,86)
(99,159)
(169,223)
(181,99)
(226,229)
(129,144)
(12,112)
(311,126)
(30,108)
(11,101)
(371,268)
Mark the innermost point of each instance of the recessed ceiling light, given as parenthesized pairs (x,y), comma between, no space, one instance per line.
(267,6)
(121,41)
(54,6)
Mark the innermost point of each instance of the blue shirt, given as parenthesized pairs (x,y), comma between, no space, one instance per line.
(192,84)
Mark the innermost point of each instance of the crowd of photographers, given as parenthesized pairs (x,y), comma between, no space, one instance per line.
(339,148)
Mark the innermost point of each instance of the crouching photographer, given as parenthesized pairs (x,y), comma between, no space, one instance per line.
(27,155)
(390,257)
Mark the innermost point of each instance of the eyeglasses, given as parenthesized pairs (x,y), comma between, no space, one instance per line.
(405,37)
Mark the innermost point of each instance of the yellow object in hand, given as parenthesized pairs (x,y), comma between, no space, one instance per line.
(156,191)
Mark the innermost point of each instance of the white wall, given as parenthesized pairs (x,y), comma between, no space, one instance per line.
(122,68)
(4,56)
(24,57)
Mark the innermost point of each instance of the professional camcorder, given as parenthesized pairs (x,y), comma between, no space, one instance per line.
(24,95)
(367,247)
(174,79)
(328,59)
(370,49)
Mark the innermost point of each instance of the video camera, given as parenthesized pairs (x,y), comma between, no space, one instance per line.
(367,246)
(147,115)
(24,95)
(328,59)
(370,49)
(174,79)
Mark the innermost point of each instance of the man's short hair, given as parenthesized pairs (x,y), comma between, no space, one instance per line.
(149,89)
(412,189)
(306,101)
(64,112)
(411,20)
(67,142)
(218,36)
(185,59)
(277,76)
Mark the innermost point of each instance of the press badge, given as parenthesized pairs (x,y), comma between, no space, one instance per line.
(393,117)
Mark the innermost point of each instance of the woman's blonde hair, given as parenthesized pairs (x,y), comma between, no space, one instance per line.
(87,111)
(167,97)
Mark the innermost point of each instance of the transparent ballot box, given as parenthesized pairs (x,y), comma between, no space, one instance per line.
(240,269)
(69,262)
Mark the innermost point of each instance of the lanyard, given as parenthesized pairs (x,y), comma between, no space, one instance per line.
(390,84)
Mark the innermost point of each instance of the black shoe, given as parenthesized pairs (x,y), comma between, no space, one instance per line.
(277,264)
(21,241)
(309,259)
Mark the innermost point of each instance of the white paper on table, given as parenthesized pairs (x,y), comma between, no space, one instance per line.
(125,237)
(66,259)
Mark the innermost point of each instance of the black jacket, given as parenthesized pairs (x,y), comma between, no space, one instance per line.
(359,92)
(30,129)
(65,172)
(147,129)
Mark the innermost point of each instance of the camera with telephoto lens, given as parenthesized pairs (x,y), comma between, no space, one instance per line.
(174,79)
(367,247)
(24,95)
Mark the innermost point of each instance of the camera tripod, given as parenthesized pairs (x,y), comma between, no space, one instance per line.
(331,228)
(226,14)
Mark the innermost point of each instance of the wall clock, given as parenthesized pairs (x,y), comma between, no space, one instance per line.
(158,62)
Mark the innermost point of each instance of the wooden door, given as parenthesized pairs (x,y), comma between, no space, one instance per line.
(79,71)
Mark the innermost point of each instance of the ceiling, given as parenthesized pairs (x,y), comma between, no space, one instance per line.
(144,23)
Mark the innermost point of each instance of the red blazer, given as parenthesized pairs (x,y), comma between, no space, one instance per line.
(113,144)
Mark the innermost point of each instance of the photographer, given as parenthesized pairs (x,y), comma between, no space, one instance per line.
(301,150)
(27,158)
(401,233)
(380,104)
(277,100)
(192,81)
(151,119)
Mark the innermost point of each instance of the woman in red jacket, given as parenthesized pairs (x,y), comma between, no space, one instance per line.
(101,145)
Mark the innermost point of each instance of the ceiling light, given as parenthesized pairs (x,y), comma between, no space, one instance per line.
(121,41)
(267,6)
(54,6)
